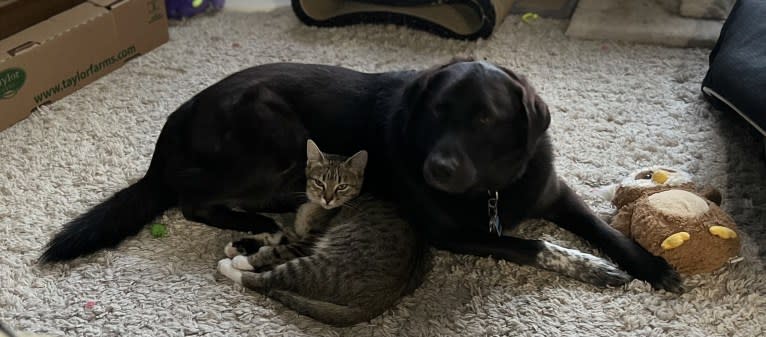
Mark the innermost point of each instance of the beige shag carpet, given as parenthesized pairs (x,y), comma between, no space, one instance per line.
(615,107)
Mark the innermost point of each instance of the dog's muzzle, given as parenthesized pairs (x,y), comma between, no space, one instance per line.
(449,174)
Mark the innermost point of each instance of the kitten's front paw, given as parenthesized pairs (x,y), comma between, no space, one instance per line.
(240,262)
(230,251)
(226,269)
(245,246)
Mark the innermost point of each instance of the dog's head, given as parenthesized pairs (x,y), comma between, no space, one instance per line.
(475,123)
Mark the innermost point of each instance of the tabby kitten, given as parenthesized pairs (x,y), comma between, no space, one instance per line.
(331,181)
(338,265)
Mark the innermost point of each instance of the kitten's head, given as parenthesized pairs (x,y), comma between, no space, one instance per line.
(332,180)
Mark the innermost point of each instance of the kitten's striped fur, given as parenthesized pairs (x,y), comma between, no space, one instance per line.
(339,265)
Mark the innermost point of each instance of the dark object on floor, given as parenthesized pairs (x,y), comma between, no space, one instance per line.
(736,79)
(180,9)
(460,19)
(462,148)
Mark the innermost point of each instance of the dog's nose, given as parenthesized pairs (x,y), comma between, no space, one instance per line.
(442,169)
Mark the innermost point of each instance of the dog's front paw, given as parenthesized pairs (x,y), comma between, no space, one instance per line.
(581,266)
(660,275)
(603,273)
(226,269)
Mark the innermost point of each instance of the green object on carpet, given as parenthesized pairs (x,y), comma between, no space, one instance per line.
(552,9)
(159,230)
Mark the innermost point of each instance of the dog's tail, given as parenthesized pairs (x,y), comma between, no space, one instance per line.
(123,215)
(107,224)
(325,312)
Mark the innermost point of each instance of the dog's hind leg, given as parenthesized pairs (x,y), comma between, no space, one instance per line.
(222,216)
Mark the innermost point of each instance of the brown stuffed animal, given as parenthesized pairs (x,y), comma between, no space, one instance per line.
(661,209)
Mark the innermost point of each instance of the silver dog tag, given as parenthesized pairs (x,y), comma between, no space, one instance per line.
(494,217)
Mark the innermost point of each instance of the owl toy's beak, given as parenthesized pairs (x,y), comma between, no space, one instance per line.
(660,176)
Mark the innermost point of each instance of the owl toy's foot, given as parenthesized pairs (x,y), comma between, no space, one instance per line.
(675,240)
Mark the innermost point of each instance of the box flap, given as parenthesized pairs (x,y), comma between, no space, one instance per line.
(48,29)
(16,16)
(105,3)
(78,15)
(37,34)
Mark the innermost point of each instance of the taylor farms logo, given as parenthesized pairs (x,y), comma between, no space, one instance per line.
(11,81)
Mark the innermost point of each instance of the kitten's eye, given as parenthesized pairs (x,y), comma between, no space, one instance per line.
(317,183)
(485,120)
(342,187)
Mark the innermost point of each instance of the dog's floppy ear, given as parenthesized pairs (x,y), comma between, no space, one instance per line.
(536,111)
(413,94)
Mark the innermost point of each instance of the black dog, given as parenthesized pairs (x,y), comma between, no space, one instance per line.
(443,143)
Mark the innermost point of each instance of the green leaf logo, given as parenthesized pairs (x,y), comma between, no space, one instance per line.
(11,81)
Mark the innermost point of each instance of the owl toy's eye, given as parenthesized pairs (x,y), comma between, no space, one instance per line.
(644,175)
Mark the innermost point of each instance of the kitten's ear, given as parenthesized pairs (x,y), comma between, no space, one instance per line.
(358,161)
(313,153)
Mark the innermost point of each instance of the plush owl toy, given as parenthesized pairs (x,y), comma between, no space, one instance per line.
(662,210)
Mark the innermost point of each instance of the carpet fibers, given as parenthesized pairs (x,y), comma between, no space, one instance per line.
(615,107)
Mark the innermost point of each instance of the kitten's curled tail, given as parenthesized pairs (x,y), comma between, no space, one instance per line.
(110,222)
(326,312)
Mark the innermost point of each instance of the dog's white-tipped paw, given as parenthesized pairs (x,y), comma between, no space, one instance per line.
(230,251)
(226,269)
(582,266)
(240,262)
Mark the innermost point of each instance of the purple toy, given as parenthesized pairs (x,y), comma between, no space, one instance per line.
(179,9)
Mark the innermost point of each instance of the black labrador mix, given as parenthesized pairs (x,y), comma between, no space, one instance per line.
(461,147)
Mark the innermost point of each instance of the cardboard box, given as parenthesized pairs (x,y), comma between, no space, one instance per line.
(59,46)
